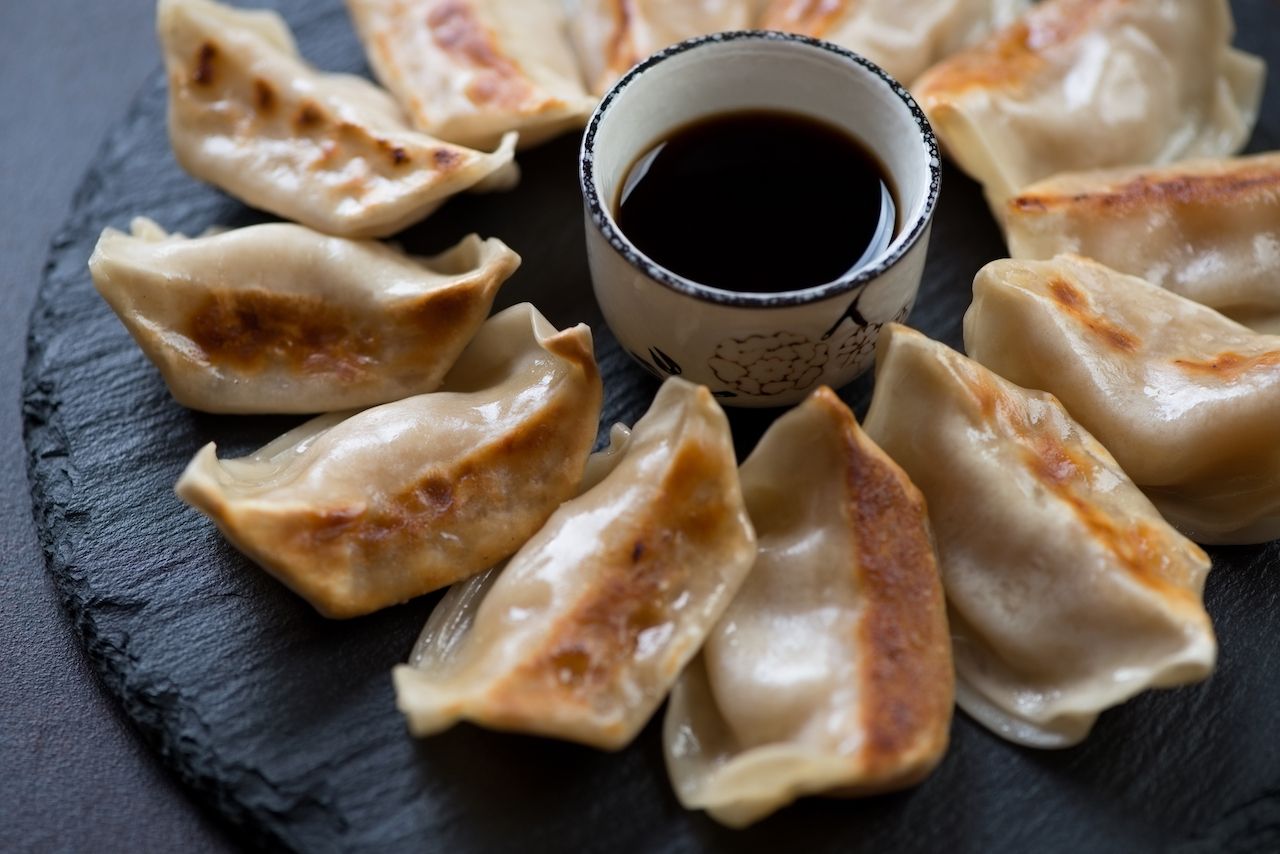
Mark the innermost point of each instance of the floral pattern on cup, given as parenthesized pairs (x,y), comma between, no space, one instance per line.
(860,344)
(767,365)
(658,363)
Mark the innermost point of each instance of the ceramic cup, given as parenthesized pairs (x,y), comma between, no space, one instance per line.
(755,349)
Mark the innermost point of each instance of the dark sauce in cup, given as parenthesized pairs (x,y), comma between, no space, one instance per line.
(759,201)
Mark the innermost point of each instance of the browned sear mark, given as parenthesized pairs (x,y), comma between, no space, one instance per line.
(621,52)
(810,17)
(456,29)
(264,96)
(471,492)
(570,664)
(1077,305)
(1028,204)
(256,331)
(635,595)
(205,58)
(431,498)
(445,159)
(1050,460)
(1065,468)
(1012,56)
(1229,365)
(309,116)
(907,681)
(1144,191)
(395,153)
(1150,555)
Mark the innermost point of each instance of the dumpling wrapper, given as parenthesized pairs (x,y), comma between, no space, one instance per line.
(904,37)
(1093,84)
(831,671)
(1208,230)
(1067,592)
(581,636)
(450,621)
(470,71)
(359,512)
(330,151)
(281,319)
(1186,399)
(611,36)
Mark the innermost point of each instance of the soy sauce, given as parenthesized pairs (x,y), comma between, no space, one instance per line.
(758,201)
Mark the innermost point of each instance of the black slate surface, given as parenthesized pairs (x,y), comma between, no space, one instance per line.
(285,722)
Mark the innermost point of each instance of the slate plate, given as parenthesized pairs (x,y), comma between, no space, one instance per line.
(285,722)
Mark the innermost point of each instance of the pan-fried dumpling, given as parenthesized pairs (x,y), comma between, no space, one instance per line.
(904,37)
(613,35)
(583,633)
(469,71)
(281,319)
(358,512)
(1092,84)
(831,671)
(330,151)
(1067,592)
(1206,229)
(1186,399)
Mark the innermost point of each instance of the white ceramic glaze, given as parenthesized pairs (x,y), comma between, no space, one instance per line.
(756,349)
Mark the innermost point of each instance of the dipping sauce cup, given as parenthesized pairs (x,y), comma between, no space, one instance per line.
(756,349)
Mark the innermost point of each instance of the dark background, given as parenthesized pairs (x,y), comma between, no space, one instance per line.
(73,773)
(74,776)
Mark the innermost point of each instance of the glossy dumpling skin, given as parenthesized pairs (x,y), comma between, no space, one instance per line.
(282,319)
(359,512)
(610,36)
(904,37)
(831,671)
(1093,84)
(449,625)
(470,71)
(330,151)
(1206,229)
(583,633)
(1186,399)
(1067,592)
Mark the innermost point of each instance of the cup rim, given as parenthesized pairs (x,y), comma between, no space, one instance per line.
(604,222)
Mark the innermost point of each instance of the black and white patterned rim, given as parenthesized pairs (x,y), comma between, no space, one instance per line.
(604,222)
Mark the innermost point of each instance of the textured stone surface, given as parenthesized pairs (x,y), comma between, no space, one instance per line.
(285,722)
(74,776)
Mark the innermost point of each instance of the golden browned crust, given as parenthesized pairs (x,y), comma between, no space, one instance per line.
(203,72)
(1220,188)
(264,97)
(809,17)
(457,31)
(1013,55)
(1146,552)
(1076,304)
(1229,365)
(646,575)
(1154,555)
(254,331)
(309,117)
(445,159)
(621,54)
(643,574)
(908,681)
